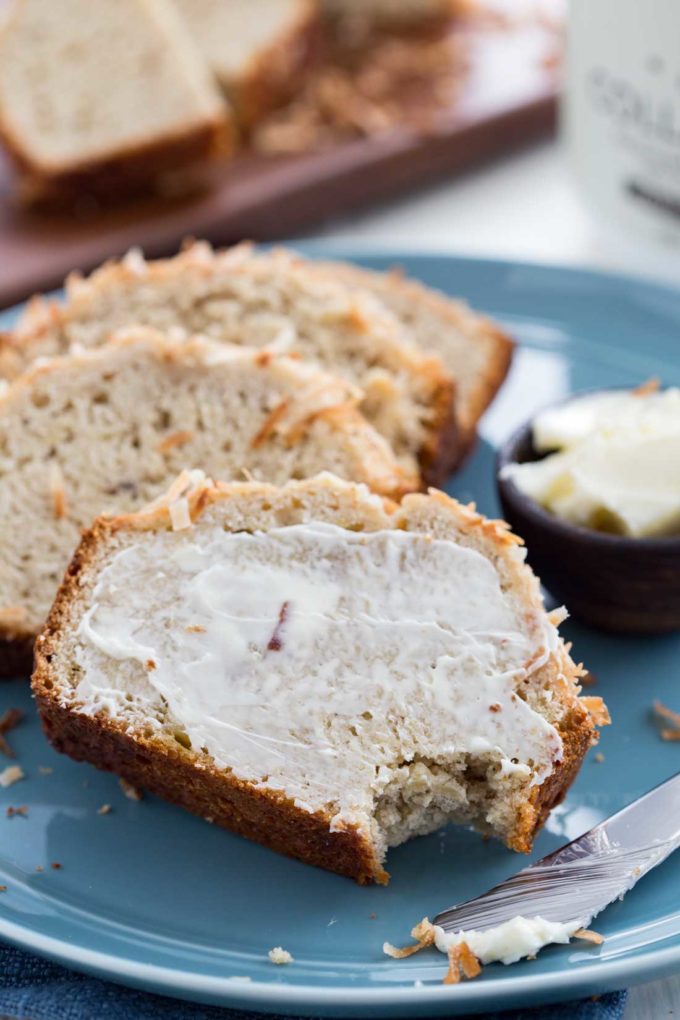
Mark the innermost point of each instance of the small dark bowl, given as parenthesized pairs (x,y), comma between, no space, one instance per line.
(612,582)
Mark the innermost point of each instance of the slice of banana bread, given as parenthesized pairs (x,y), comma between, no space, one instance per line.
(316,670)
(106,430)
(263,299)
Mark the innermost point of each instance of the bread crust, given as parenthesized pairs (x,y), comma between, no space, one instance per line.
(278,72)
(132,169)
(458,315)
(190,780)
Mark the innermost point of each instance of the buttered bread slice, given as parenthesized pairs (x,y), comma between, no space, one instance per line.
(316,670)
(262,299)
(107,430)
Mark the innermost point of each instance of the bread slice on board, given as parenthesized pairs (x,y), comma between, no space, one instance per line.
(106,431)
(263,299)
(105,94)
(474,349)
(259,50)
(316,670)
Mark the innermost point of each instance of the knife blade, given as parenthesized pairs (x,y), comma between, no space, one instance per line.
(577,881)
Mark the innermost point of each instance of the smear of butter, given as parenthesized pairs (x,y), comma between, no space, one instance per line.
(617,462)
(510,941)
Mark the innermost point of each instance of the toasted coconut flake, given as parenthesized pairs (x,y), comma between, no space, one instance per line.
(57,490)
(644,389)
(130,791)
(423,933)
(462,963)
(597,710)
(667,713)
(270,424)
(174,439)
(586,935)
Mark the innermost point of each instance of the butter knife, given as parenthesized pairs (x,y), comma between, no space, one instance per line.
(573,884)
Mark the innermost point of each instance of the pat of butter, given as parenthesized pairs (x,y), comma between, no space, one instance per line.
(617,465)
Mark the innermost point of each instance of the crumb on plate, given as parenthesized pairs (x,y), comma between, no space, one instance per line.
(12,774)
(671,732)
(130,790)
(278,955)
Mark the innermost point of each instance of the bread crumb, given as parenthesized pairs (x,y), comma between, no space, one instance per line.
(130,791)
(55,865)
(195,628)
(3,888)
(278,955)
(666,733)
(9,719)
(644,389)
(40,868)
(589,936)
(105,809)
(45,770)
(12,774)
(23,811)
(599,757)
(372,917)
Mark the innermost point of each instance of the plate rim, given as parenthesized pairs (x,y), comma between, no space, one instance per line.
(336,1000)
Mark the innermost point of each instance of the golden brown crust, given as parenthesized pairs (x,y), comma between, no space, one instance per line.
(458,315)
(441,452)
(277,73)
(182,776)
(131,169)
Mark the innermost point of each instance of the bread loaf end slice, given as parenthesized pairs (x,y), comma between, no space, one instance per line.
(105,96)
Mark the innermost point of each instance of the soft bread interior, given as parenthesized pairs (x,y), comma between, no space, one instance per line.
(387,669)
(107,430)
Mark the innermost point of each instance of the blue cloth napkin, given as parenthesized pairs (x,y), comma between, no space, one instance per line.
(33,989)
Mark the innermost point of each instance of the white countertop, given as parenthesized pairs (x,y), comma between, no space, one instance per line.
(525,208)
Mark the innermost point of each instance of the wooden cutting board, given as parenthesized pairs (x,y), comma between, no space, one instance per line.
(508,100)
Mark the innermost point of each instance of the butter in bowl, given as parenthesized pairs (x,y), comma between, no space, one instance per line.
(593,486)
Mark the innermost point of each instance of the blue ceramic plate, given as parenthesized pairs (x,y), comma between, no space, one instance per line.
(152,897)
